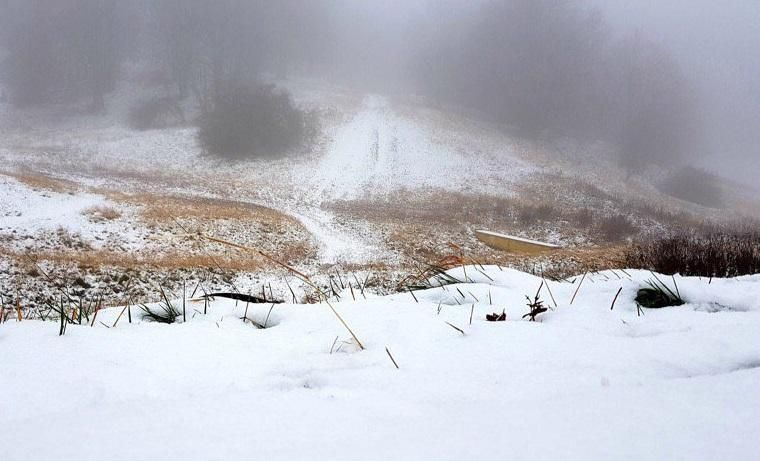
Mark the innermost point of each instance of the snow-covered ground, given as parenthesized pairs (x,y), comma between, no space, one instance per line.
(585,382)
(27,214)
(380,150)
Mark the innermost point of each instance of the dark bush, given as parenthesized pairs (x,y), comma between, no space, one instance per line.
(156,113)
(583,218)
(715,253)
(250,122)
(695,186)
(614,228)
(533,213)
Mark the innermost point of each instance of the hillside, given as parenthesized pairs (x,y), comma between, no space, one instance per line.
(386,184)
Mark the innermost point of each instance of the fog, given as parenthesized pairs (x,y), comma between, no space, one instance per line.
(717,45)
(668,82)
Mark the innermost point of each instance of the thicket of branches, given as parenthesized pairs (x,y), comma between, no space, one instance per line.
(720,252)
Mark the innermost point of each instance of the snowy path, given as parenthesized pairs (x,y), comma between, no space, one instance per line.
(379,151)
(335,244)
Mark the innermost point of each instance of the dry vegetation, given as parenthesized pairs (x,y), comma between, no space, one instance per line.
(707,252)
(102,213)
(167,248)
(41,182)
(419,225)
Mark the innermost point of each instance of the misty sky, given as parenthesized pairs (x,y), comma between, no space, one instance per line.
(718,45)
(381,43)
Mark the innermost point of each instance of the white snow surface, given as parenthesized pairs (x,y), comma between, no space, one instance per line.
(32,213)
(585,382)
(381,150)
(25,209)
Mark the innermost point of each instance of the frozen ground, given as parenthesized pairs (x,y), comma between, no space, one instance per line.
(28,216)
(585,382)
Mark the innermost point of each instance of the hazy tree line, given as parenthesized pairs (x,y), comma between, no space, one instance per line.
(545,67)
(551,68)
(62,50)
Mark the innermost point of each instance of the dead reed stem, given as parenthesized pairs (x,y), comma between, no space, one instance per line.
(387,351)
(305,278)
(19,315)
(455,327)
(578,289)
(616,298)
(551,295)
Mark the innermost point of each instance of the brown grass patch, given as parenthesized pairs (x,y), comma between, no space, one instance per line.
(163,209)
(43,182)
(102,213)
(168,261)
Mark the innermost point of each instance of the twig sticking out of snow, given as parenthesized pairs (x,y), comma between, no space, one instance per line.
(455,327)
(291,289)
(578,289)
(19,315)
(391,357)
(551,295)
(268,314)
(616,298)
(129,302)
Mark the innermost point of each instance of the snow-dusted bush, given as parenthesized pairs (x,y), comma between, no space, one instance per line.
(615,227)
(714,253)
(247,122)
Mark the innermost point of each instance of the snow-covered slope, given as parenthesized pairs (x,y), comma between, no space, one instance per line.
(586,382)
(382,150)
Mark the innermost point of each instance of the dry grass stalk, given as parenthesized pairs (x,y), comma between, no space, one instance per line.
(578,289)
(455,327)
(551,295)
(305,278)
(387,351)
(102,213)
(19,315)
(120,314)
(616,298)
(266,321)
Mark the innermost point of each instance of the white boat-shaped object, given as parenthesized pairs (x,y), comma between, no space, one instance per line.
(513,244)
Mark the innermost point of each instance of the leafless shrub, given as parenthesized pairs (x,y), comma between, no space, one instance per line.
(707,253)
(582,218)
(156,113)
(616,227)
(532,213)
